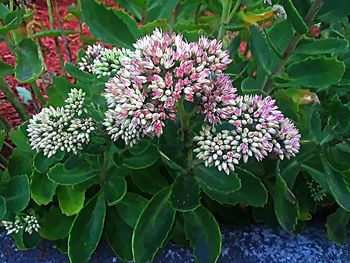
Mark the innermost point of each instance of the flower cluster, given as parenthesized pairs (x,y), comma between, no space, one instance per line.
(162,69)
(258,129)
(104,62)
(62,128)
(29,223)
(280,12)
(215,99)
(316,191)
(92,54)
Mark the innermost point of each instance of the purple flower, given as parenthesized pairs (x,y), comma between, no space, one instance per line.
(258,129)
(215,99)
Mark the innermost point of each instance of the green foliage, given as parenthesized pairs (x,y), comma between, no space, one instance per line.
(153,227)
(86,230)
(144,195)
(106,24)
(27,54)
(204,234)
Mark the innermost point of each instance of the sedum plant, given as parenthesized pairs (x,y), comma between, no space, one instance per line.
(183,122)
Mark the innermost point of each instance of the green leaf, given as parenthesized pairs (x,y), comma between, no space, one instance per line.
(3,135)
(42,163)
(19,137)
(337,225)
(149,180)
(58,92)
(130,208)
(294,17)
(86,230)
(54,33)
(79,74)
(20,157)
(149,27)
(4,11)
(334,10)
(261,51)
(118,235)
(285,204)
(17,193)
(12,20)
(337,185)
(111,26)
(318,72)
(114,189)
(153,227)
(3,207)
(81,173)
(160,9)
(31,241)
(244,195)
(146,159)
(290,170)
(70,201)
(27,54)
(54,225)
(170,163)
(314,168)
(41,188)
(140,147)
(6,69)
(321,46)
(215,180)
(185,193)
(135,6)
(204,234)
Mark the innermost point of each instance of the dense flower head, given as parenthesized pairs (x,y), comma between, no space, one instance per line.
(28,222)
(215,99)
(217,148)
(110,61)
(62,128)
(131,116)
(280,12)
(286,142)
(92,54)
(258,129)
(162,69)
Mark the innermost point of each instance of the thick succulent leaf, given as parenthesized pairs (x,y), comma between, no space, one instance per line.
(27,54)
(107,24)
(215,180)
(69,200)
(41,188)
(153,227)
(337,225)
(204,234)
(17,193)
(185,193)
(86,230)
(54,225)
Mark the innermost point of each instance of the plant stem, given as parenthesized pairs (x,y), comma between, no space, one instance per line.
(80,26)
(292,45)
(52,26)
(38,93)
(11,5)
(185,127)
(11,96)
(65,42)
(5,122)
(226,8)
(105,164)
